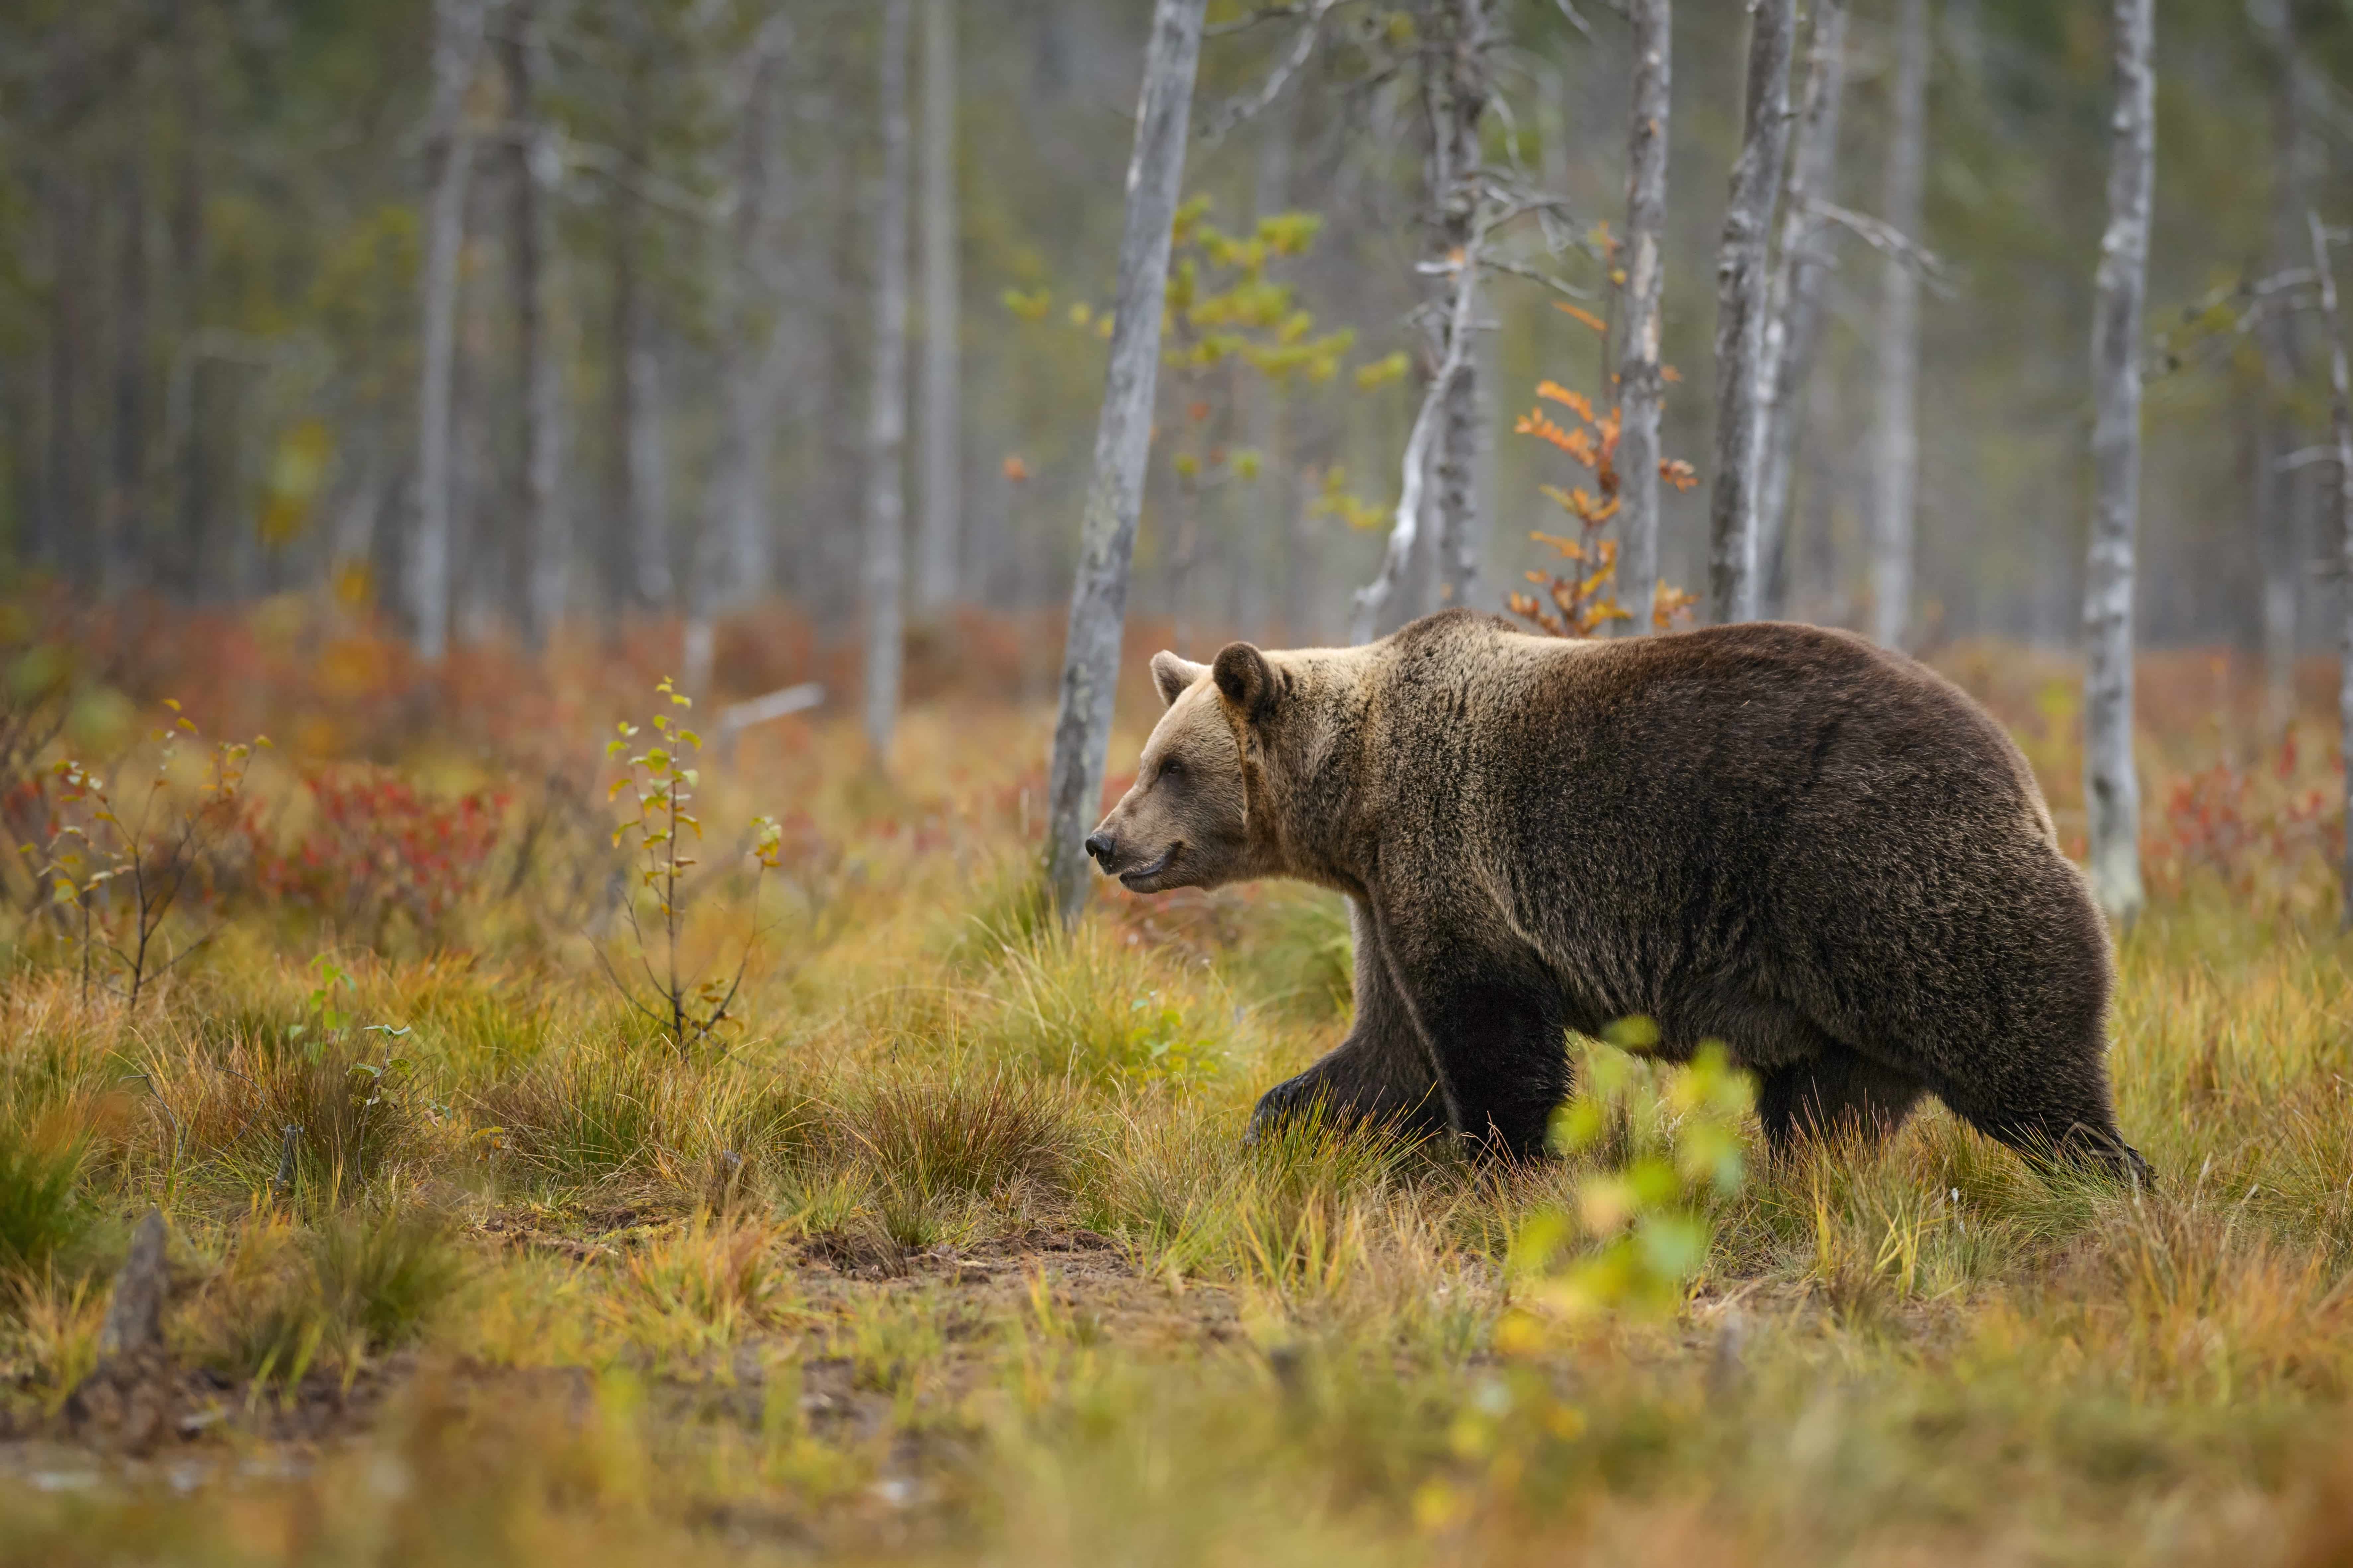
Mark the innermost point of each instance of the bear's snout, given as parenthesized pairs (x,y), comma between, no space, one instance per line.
(1101,845)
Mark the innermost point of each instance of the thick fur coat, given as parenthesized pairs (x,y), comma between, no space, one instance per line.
(1785,838)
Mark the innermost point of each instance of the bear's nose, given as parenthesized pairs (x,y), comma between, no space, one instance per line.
(1099,845)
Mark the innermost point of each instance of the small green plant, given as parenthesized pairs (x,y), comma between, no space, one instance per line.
(122,877)
(1640,1229)
(661,785)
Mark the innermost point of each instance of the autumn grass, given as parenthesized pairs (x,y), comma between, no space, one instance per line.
(952,1252)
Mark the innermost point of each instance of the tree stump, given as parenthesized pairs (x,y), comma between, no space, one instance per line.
(127,1401)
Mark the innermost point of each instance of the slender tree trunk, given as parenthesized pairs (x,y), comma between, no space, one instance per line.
(64,541)
(1639,388)
(2111,790)
(943,456)
(1459,87)
(649,466)
(1404,528)
(457,44)
(1895,443)
(886,432)
(186,226)
(2274,493)
(1122,441)
(638,550)
(1744,281)
(126,503)
(733,557)
(1437,471)
(1270,427)
(537,170)
(2341,432)
(1793,335)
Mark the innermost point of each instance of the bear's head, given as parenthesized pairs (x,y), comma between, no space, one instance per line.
(1187,820)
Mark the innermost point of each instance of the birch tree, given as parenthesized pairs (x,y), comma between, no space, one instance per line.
(2111,789)
(1438,465)
(1155,171)
(642,556)
(733,557)
(1640,388)
(1793,333)
(886,428)
(457,31)
(1894,439)
(1457,87)
(2340,409)
(1743,286)
(537,173)
(2274,490)
(940,536)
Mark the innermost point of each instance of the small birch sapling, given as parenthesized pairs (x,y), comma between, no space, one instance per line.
(661,784)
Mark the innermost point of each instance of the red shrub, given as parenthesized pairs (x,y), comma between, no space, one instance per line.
(378,848)
(2264,834)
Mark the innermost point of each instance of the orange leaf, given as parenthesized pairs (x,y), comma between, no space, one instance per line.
(1533,423)
(1575,401)
(1576,313)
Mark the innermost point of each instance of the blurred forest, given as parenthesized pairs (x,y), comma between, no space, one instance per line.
(215,255)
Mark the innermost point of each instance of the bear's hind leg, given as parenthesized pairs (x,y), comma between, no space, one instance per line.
(2062,1119)
(1836,1093)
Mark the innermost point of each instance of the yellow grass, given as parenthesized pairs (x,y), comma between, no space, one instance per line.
(952,1252)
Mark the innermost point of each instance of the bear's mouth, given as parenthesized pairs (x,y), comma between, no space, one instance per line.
(1129,879)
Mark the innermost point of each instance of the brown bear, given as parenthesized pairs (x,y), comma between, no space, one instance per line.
(1783,837)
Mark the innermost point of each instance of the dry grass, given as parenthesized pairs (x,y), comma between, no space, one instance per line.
(952,1253)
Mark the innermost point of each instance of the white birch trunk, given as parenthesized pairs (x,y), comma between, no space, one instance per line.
(733,554)
(1640,389)
(1894,441)
(1459,95)
(2111,789)
(649,466)
(644,546)
(2275,492)
(1744,283)
(886,430)
(940,534)
(2341,432)
(1404,527)
(1793,334)
(538,174)
(1122,440)
(458,26)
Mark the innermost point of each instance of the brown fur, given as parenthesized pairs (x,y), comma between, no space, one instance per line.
(1822,853)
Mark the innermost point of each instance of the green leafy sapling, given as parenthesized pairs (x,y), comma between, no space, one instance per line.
(660,786)
(1639,1232)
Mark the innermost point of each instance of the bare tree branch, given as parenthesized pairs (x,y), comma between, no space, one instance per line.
(1890,242)
(1242,109)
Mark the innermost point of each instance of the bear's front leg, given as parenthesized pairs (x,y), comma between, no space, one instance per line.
(1494,1026)
(1380,1075)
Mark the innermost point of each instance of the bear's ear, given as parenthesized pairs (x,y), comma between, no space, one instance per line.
(1246,681)
(1173,675)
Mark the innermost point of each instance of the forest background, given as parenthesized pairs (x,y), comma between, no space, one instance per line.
(213,219)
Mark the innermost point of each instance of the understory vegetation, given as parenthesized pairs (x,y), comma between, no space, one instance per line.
(936,1239)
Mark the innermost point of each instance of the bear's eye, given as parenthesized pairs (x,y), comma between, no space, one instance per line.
(1170,768)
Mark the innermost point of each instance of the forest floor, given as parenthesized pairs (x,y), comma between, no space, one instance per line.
(952,1252)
